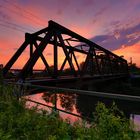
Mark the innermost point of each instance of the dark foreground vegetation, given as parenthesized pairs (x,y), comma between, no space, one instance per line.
(17,122)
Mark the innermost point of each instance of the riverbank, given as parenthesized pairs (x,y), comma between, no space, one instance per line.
(19,122)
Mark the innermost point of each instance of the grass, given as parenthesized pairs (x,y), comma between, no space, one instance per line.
(20,123)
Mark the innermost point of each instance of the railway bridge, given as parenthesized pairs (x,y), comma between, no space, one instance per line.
(84,61)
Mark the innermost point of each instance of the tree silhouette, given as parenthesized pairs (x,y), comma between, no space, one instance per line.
(67,101)
(49,97)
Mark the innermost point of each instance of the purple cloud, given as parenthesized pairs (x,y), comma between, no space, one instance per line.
(122,37)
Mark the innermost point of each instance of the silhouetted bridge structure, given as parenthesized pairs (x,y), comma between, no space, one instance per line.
(97,62)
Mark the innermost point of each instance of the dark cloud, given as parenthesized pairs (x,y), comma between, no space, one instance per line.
(122,37)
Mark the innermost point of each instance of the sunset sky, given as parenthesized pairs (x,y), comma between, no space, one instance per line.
(113,24)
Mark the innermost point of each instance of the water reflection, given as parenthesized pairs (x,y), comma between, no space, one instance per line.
(49,98)
(84,105)
(66,101)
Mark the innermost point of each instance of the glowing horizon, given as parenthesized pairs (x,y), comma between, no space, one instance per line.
(90,18)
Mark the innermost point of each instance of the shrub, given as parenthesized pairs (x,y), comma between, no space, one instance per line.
(20,123)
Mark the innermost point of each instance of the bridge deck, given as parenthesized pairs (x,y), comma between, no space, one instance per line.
(73,78)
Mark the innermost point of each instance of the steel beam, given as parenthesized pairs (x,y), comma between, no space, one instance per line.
(86,63)
(68,47)
(55,74)
(43,59)
(31,62)
(66,53)
(64,30)
(14,58)
(76,62)
(31,53)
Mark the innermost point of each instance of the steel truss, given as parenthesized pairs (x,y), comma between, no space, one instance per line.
(99,61)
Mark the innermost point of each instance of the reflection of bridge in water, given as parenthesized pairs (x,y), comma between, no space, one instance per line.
(97,62)
(83,106)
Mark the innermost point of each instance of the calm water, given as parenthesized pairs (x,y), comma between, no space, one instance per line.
(83,105)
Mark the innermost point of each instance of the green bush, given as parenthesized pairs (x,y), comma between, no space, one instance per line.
(19,123)
(111,124)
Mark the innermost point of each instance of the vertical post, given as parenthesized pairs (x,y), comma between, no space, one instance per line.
(108,56)
(85,65)
(31,53)
(55,102)
(70,54)
(88,62)
(91,63)
(97,64)
(55,57)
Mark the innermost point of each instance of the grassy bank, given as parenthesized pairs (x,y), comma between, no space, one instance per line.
(20,123)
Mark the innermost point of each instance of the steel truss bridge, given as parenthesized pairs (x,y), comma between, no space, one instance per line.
(98,62)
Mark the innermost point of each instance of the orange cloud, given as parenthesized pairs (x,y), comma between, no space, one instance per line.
(9,45)
(130,51)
